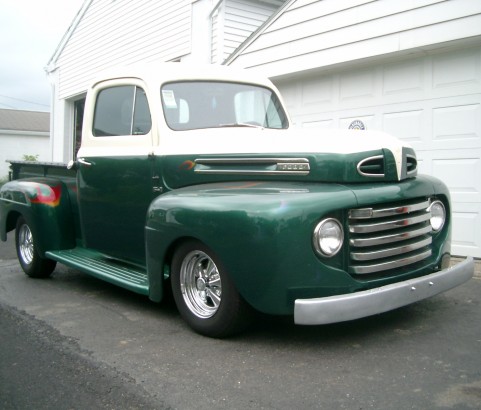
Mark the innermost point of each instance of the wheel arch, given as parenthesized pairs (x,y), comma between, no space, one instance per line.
(11,220)
(159,262)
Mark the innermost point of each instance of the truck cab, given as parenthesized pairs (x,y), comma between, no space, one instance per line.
(195,180)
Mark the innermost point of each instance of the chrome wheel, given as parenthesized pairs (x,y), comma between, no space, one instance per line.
(204,293)
(32,263)
(200,284)
(25,244)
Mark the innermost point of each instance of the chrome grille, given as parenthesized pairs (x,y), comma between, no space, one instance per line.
(390,237)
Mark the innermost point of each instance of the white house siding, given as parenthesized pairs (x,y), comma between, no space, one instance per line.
(122,32)
(216,39)
(241,19)
(311,34)
(234,21)
(23,133)
(15,144)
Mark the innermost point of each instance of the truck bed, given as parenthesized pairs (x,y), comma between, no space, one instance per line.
(32,169)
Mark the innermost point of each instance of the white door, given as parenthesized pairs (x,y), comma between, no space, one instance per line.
(432,101)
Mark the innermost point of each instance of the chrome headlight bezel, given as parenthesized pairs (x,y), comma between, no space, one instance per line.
(328,237)
(438,215)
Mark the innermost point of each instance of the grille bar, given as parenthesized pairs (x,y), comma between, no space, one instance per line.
(368,213)
(389,237)
(380,240)
(392,264)
(387,225)
(385,253)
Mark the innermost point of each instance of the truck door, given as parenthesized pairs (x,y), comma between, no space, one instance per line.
(115,171)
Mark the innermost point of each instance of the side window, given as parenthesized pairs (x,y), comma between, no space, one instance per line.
(121,110)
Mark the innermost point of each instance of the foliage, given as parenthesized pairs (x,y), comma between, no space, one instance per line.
(27,157)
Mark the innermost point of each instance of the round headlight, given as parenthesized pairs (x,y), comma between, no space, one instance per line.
(438,215)
(328,237)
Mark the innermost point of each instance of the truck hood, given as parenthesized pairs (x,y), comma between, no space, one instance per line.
(243,153)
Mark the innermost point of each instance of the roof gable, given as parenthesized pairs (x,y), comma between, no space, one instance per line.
(66,37)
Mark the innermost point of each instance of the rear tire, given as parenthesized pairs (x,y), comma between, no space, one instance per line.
(204,294)
(31,262)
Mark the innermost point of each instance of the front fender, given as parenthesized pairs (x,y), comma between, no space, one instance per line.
(45,204)
(262,232)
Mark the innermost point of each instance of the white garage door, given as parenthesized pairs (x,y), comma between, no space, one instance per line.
(431,101)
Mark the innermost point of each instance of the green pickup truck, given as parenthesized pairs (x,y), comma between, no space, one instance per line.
(195,179)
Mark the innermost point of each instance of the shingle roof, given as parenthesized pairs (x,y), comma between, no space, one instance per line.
(15,120)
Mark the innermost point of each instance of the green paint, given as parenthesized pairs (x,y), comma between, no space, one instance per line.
(260,226)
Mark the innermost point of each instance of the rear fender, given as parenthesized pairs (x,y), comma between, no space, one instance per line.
(45,204)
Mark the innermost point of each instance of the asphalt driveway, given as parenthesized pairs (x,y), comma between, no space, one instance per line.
(113,349)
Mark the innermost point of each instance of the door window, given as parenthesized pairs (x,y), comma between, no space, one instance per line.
(121,110)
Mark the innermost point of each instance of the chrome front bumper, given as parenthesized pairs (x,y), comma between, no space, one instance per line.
(356,305)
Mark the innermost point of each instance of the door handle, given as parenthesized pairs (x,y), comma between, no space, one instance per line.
(82,161)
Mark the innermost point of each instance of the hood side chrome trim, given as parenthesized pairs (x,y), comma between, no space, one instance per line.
(270,166)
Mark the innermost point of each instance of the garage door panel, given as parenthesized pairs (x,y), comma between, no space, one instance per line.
(457,72)
(461,175)
(404,78)
(456,126)
(357,85)
(466,231)
(406,125)
(318,93)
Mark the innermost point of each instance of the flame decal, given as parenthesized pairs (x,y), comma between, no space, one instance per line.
(46,195)
(187,165)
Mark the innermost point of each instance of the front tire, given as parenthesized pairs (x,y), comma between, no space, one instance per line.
(31,262)
(204,294)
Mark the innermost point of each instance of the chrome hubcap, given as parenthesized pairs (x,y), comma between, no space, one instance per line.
(200,284)
(25,244)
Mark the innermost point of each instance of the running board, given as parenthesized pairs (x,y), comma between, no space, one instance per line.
(96,264)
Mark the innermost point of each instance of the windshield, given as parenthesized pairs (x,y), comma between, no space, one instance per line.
(200,104)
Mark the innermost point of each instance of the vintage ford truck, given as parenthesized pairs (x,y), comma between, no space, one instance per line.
(195,179)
